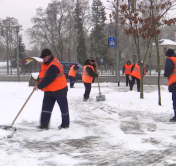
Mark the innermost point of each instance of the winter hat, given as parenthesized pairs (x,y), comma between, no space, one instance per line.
(92,59)
(45,53)
(129,61)
(170,52)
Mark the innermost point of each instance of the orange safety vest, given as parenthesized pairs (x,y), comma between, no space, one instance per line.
(59,82)
(72,72)
(144,70)
(85,76)
(136,71)
(128,69)
(172,77)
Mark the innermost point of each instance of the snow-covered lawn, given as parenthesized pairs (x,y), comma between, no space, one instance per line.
(124,130)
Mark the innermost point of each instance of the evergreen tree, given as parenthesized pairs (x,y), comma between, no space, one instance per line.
(22,53)
(98,47)
(81,48)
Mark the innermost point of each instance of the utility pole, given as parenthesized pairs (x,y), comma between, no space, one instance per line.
(17,31)
(117,55)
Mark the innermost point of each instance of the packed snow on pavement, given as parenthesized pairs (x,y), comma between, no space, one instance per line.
(124,130)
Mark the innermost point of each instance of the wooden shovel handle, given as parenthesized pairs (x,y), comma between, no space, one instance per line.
(22,107)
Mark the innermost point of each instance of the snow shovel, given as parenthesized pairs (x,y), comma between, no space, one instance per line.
(119,81)
(100,97)
(11,128)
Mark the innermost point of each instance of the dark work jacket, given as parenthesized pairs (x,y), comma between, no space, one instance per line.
(169,68)
(50,76)
(89,70)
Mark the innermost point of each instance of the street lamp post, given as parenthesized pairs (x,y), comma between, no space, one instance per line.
(17,31)
(7,45)
(7,41)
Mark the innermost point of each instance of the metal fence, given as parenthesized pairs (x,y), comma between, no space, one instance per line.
(106,74)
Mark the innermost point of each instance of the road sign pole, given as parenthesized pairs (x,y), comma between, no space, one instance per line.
(116,49)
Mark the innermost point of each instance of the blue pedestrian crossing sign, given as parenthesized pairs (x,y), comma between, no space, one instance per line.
(111,41)
(101,60)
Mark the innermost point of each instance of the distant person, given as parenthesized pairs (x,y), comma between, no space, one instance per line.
(146,68)
(170,73)
(89,74)
(52,81)
(136,75)
(72,74)
(127,71)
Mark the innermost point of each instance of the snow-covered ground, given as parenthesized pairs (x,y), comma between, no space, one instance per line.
(124,130)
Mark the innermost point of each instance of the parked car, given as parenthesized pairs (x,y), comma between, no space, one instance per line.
(67,65)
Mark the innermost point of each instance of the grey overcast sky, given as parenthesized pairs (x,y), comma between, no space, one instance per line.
(24,10)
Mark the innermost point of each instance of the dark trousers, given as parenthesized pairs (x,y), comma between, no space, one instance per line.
(127,80)
(174,99)
(132,83)
(72,81)
(87,90)
(47,107)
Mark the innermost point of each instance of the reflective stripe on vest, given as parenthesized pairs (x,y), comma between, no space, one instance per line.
(172,77)
(136,71)
(85,76)
(59,82)
(128,69)
(72,71)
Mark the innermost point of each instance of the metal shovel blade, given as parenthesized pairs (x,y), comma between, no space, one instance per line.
(8,128)
(100,97)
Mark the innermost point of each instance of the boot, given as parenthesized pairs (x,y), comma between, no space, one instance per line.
(173,119)
(85,97)
(63,127)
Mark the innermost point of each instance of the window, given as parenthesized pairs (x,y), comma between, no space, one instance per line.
(67,66)
(165,49)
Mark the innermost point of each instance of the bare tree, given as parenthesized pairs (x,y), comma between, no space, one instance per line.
(8,34)
(142,24)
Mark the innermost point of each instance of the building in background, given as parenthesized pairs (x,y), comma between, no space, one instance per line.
(164,44)
(30,64)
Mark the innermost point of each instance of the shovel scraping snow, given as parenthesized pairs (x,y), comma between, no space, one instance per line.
(100,97)
(11,128)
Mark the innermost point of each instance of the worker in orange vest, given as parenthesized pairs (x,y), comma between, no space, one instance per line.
(52,81)
(72,74)
(127,71)
(170,73)
(88,76)
(136,75)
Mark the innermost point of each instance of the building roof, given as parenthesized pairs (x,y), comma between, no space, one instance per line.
(165,42)
(29,59)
